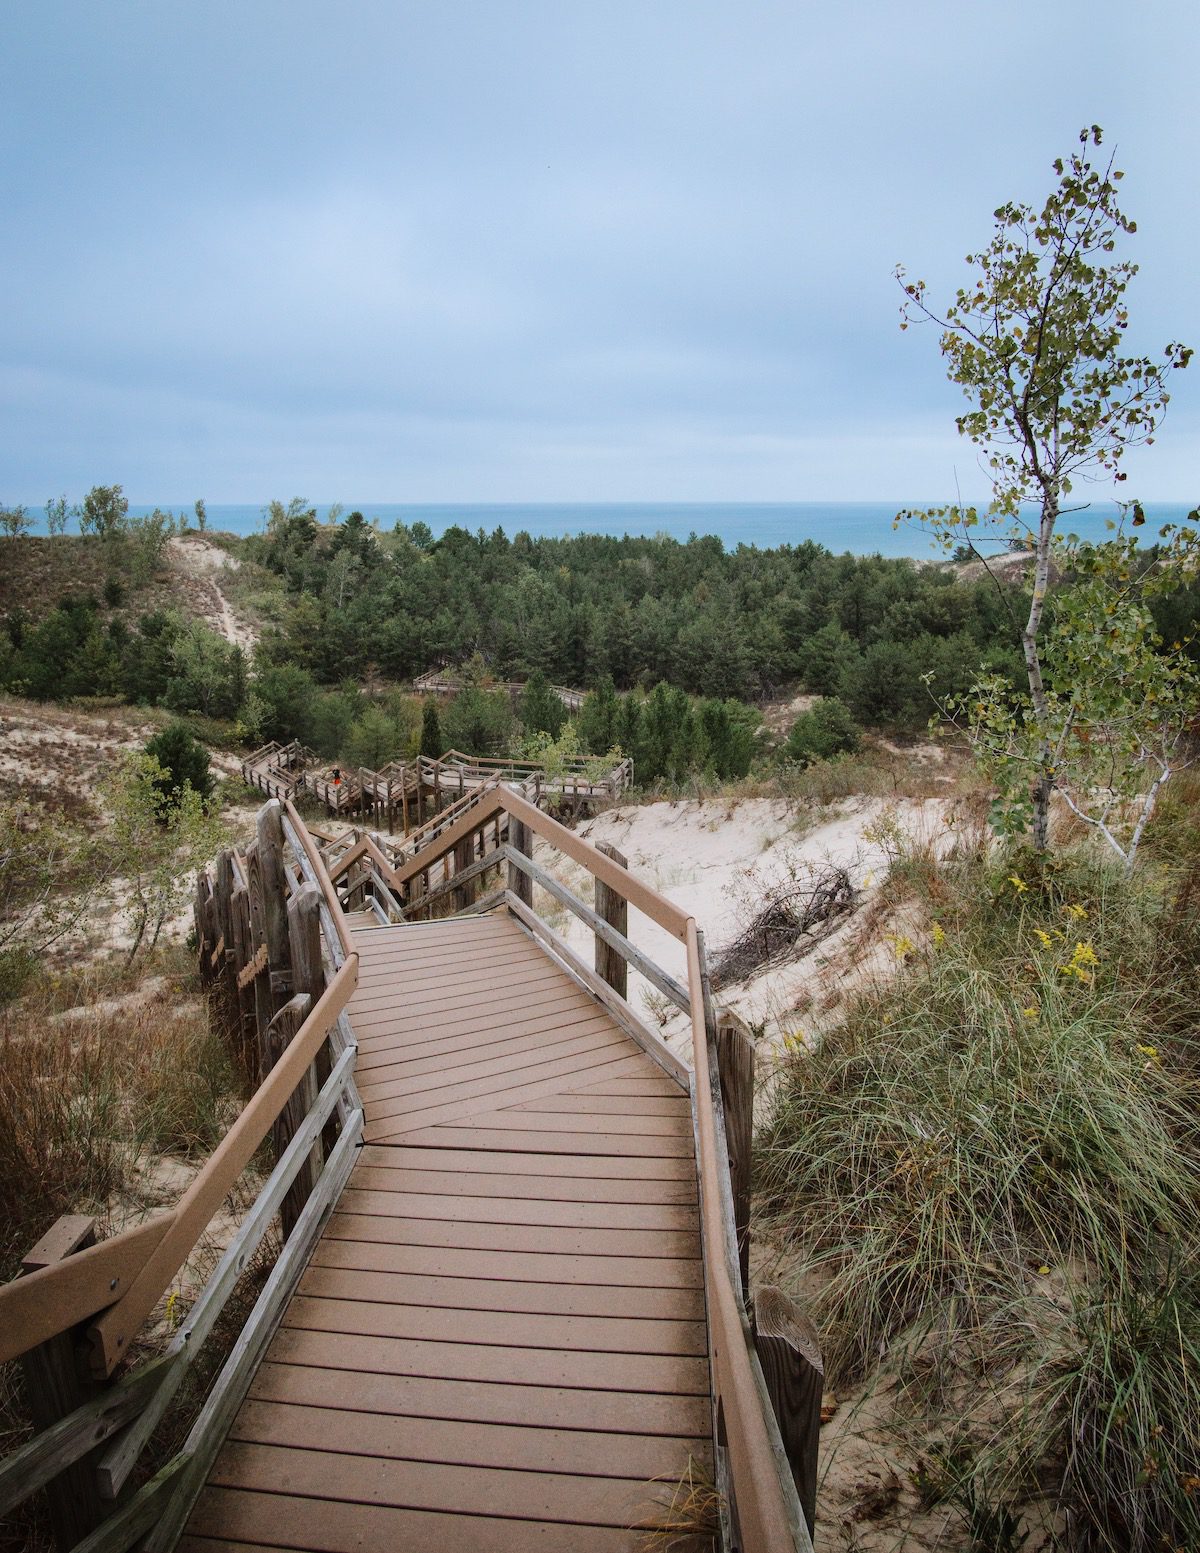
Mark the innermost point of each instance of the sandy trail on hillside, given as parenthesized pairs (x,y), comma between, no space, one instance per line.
(204,562)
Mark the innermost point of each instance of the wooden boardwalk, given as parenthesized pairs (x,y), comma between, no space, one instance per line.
(500,1339)
(511,1307)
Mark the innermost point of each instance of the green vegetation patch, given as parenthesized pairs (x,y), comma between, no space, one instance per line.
(991,1170)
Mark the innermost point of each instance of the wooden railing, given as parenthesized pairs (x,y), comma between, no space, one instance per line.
(578,776)
(442,682)
(88,1302)
(400,791)
(75,1315)
(277,770)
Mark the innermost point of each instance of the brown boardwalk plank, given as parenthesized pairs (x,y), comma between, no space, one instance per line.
(591,1334)
(500,1340)
(276,1521)
(513,1210)
(423,1485)
(418,1396)
(397,1437)
(556,1299)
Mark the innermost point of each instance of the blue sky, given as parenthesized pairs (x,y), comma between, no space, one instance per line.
(546,250)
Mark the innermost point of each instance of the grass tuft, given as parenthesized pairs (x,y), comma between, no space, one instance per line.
(991,1169)
(691,1513)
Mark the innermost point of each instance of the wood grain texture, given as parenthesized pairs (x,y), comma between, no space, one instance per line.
(500,1339)
(790,1355)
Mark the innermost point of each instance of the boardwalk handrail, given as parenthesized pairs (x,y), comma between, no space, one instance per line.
(111,1332)
(118,1282)
(754,1475)
(760,1482)
(125,1276)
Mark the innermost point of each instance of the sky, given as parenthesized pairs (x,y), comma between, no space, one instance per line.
(548,250)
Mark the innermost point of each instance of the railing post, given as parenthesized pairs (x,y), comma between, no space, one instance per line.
(735,1065)
(463,858)
(308,973)
(55,1383)
(227,968)
(279,1037)
(521,840)
(264,1007)
(274,887)
(200,914)
(613,909)
(243,953)
(789,1352)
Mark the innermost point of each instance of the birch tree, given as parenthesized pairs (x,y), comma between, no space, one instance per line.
(1035,340)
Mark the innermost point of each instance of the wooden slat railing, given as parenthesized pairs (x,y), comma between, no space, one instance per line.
(115,1286)
(97,1300)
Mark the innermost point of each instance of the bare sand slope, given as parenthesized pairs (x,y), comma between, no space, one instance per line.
(719,859)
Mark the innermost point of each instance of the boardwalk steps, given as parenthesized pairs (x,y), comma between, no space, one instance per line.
(404,794)
(508,1309)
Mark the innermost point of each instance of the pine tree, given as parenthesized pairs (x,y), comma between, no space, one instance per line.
(431,731)
(598,719)
(541,710)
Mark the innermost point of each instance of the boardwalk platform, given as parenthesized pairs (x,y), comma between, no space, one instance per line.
(500,1340)
(509,1307)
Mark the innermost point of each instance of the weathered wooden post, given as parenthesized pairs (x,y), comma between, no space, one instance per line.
(264,1007)
(274,888)
(613,909)
(735,1064)
(55,1383)
(226,965)
(308,972)
(204,947)
(280,1034)
(243,955)
(520,839)
(790,1354)
(464,856)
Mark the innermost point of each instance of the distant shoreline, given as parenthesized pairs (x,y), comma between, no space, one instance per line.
(860,528)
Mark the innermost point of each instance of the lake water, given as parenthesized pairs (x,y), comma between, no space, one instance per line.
(863,528)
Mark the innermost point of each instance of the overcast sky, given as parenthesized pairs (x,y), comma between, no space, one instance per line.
(547,250)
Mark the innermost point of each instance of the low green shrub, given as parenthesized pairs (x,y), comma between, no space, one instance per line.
(826,729)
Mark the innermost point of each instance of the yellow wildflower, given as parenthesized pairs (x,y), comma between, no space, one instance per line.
(1018,885)
(902,945)
(1044,936)
(938,934)
(1081,963)
(1151,1055)
(1032,1012)
(1077,912)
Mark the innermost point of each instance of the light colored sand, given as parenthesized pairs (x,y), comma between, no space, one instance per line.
(718,860)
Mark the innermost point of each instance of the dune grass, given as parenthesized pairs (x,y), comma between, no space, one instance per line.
(991,1170)
(133,1068)
(104,1066)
